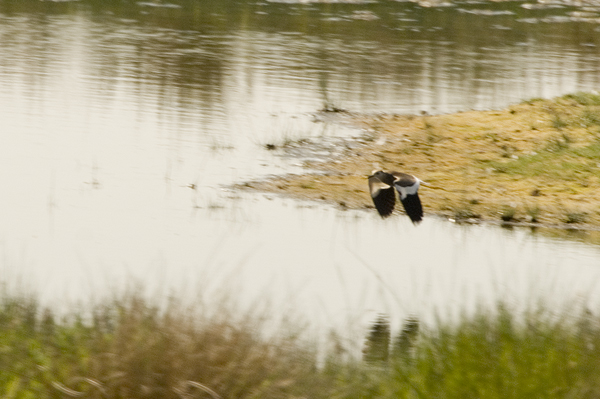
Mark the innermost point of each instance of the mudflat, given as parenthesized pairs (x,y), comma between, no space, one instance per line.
(537,162)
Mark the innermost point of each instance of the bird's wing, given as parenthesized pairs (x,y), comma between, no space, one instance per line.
(383,196)
(412,206)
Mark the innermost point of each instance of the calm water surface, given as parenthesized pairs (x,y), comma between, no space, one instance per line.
(124,123)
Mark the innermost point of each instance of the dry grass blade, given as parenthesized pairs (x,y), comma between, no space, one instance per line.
(95,383)
(182,392)
(67,391)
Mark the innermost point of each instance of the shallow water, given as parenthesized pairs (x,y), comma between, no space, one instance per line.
(124,125)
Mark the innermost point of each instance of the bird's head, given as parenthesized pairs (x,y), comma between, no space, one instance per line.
(376,173)
(377,169)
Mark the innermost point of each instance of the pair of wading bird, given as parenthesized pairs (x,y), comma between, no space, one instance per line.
(383,185)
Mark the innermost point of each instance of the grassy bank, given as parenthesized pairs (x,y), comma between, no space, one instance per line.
(127,348)
(536,162)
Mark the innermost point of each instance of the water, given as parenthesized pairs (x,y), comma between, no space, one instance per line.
(123,125)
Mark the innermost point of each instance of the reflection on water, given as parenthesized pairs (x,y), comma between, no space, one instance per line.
(122,126)
(328,264)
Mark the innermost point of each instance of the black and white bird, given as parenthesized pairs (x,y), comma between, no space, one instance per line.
(383,185)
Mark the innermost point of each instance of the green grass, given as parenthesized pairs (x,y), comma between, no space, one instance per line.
(508,213)
(558,160)
(533,212)
(499,355)
(584,98)
(129,348)
(589,118)
(561,157)
(575,217)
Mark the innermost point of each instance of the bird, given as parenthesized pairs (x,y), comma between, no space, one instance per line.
(382,186)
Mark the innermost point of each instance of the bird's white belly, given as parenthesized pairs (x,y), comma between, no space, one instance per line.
(408,190)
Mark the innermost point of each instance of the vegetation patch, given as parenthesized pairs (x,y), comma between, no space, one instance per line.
(130,348)
(557,161)
(545,152)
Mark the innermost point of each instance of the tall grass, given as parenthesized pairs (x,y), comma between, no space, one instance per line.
(495,354)
(129,348)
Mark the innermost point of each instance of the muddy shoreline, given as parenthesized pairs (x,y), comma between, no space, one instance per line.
(534,164)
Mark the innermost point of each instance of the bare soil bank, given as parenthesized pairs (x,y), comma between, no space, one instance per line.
(536,163)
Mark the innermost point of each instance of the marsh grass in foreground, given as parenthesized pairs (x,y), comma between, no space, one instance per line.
(128,348)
